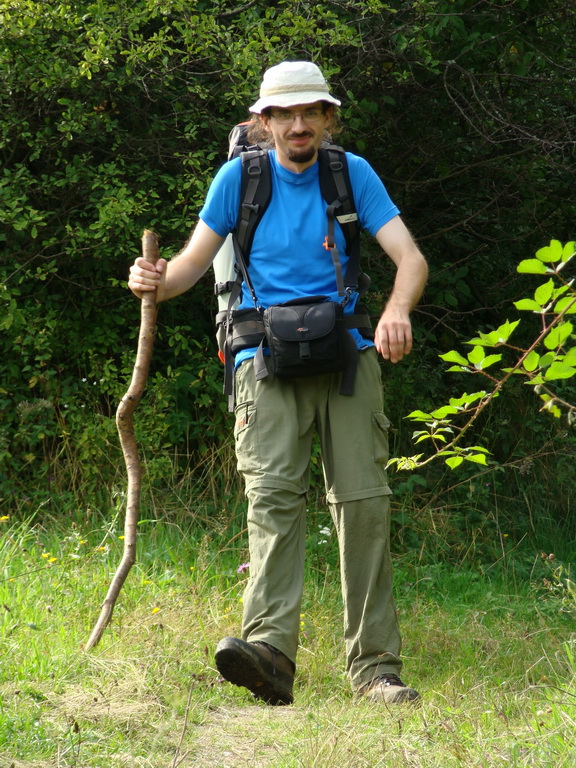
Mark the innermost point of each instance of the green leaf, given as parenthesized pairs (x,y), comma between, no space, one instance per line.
(477,458)
(405,462)
(484,339)
(566,330)
(558,335)
(505,331)
(566,304)
(560,291)
(454,357)
(550,406)
(532,267)
(543,293)
(550,253)
(559,371)
(570,357)
(547,359)
(420,416)
(531,362)
(477,355)
(499,336)
(367,105)
(466,399)
(568,250)
(528,304)
(490,360)
(446,410)
(454,461)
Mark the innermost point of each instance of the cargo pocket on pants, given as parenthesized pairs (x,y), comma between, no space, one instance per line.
(246,437)
(380,424)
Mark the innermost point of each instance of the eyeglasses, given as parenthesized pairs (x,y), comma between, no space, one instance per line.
(285,117)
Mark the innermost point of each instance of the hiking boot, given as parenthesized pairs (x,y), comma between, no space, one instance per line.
(390,689)
(258,666)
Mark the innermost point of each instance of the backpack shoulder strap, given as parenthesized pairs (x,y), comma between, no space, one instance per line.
(336,190)
(255,194)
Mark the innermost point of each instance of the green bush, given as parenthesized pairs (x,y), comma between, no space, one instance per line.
(114,119)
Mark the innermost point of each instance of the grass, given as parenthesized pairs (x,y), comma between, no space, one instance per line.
(491,647)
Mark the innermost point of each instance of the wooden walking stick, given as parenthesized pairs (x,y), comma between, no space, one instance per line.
(128,442)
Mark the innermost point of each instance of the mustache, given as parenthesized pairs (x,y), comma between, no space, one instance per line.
(301,135)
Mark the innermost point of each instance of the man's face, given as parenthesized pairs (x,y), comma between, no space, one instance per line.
(298,132)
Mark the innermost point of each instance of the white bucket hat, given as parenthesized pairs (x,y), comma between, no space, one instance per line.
(291,83)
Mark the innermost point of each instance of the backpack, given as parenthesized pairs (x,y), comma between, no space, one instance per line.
(224,263)
(255,194)
(241,329)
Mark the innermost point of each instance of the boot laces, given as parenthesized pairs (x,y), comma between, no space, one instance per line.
(389,679)
(274,652)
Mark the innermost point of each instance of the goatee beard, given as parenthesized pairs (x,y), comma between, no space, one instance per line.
(301,155)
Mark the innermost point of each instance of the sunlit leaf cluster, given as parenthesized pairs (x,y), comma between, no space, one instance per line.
(549,359)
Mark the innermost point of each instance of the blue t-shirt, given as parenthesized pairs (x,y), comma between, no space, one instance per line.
(288,259)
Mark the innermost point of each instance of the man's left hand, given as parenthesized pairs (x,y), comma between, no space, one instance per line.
(393,335)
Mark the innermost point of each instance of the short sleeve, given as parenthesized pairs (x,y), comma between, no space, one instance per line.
(373,203)
(220,209)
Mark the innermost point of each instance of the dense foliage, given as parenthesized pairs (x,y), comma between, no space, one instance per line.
(115,117)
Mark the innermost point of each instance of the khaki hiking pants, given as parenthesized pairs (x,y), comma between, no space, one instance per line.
(275,423)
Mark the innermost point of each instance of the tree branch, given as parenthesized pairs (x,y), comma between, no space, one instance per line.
(125,425)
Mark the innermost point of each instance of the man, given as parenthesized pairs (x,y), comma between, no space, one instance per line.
(276,418)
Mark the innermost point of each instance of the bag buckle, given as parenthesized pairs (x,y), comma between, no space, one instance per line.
(303,345)
(326,244)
